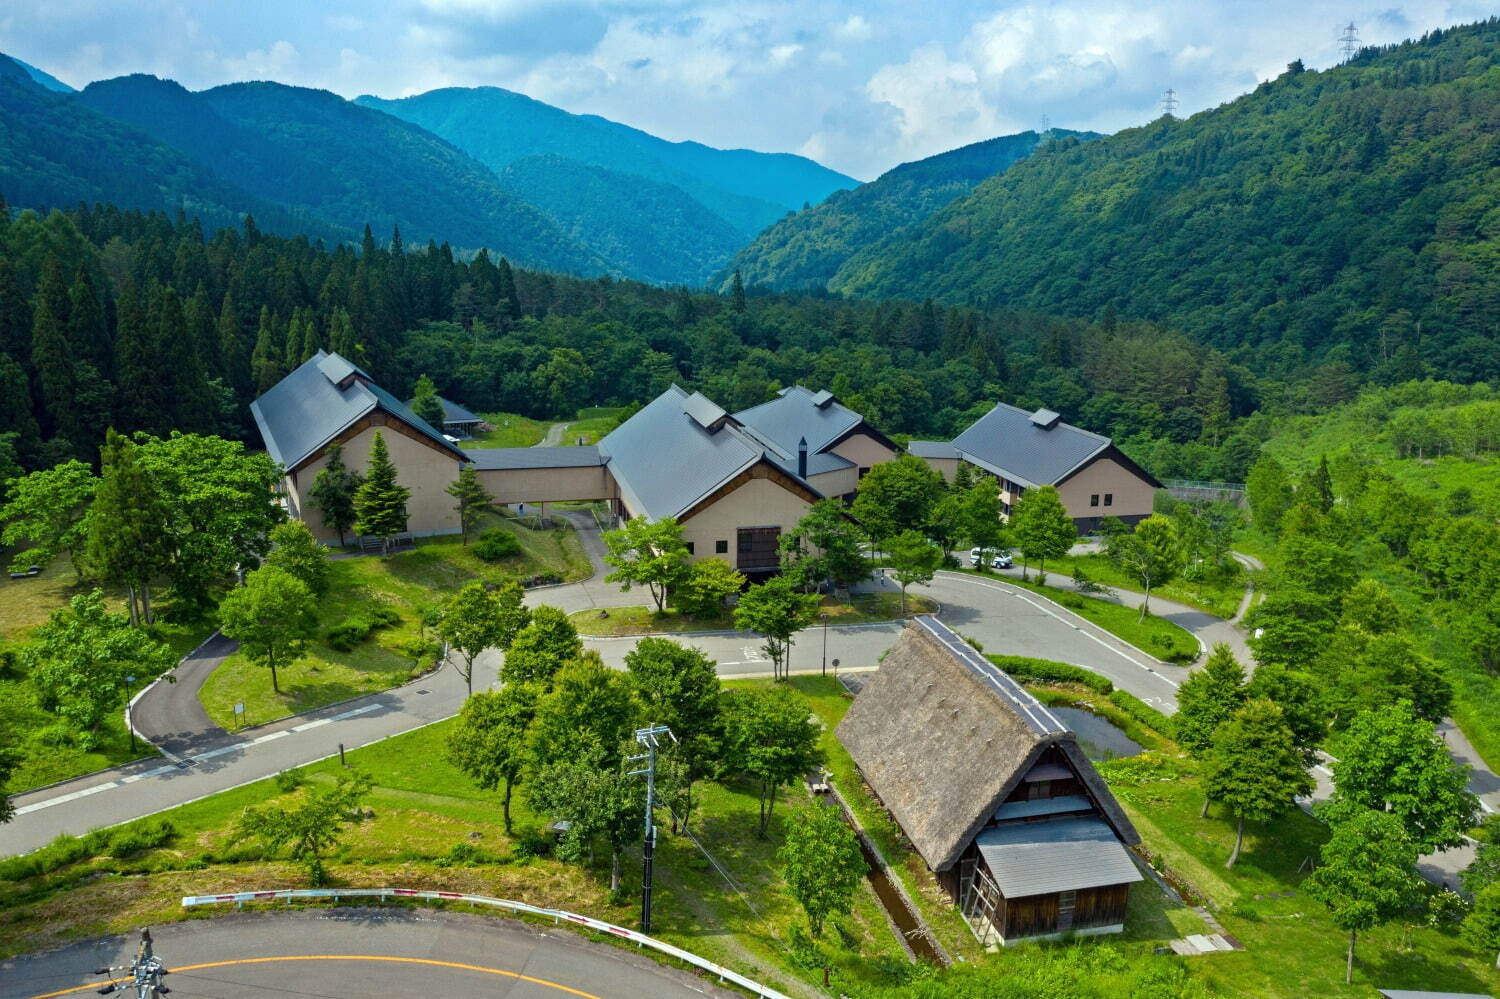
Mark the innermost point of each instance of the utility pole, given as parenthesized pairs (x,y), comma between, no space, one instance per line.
(1169,102)
(146,972)
(650,739)
(1349,41)
(825,643)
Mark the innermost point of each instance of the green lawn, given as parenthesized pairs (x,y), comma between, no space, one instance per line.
(862,609)
(48,750)
(405,582)
(1156,636)
(592,424)
(1219,596)
(509,430)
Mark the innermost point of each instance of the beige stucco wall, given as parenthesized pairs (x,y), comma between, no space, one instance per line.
(864,450)
(1132,495)
(424,470)
(757,503)
(948,467)
(837,483)
(548,485)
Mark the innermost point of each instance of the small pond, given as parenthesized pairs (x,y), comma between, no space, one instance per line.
(1097,737)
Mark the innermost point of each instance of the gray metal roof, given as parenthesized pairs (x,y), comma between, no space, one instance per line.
(932,449)
(499,458)
(796,413)
(1009,443)
(674,452)
(300,414)
(454,413)
(1043,806)
(1064,854)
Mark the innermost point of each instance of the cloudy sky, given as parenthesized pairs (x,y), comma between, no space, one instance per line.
(858,86)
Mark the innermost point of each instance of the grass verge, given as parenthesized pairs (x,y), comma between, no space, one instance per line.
(1219,596)
(509,430)
(864,608)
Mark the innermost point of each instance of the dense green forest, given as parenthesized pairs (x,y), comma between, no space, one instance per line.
(807,248)
(1343,218)
(109,317)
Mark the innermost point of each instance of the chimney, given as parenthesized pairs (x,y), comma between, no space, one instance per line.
(802,458)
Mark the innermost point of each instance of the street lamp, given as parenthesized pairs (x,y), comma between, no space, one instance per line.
(825,643)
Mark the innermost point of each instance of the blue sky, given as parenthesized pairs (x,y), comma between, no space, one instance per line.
(858,86)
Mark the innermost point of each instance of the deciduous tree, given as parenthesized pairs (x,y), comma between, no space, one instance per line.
(1367,876)
(540,647)
(649,553)
(913,559)
(311,828)
(472,622)
(1041,527)
(770,739)
(272,615)
(294,549)
(822,864)
(1269,491)
(489,742)
(584,718)
(897,496)
(1152,555)
(594,801)
(677,686)
(1255,768)
(709,582)
(777,611)
(45,510)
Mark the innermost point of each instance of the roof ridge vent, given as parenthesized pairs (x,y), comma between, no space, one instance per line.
(822,399)
(1046,419)
(704,411)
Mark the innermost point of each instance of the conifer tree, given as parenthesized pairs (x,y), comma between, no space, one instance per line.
(266,359)
(380,501)
(507,302)
(425,402)
(189,404)
(341,339)
(15,314)
(15,409)
(87,331)
(229,339)
(52,357)
(137,361)
(127,526)
(471,499)
(333,491)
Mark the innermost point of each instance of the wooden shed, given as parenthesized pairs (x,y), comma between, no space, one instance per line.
(992,790)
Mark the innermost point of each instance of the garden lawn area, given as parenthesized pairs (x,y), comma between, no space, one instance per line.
(1219,596)
(1155,636)
(510,431)
(48,751)
(863,608)
(406,582)
(592,424)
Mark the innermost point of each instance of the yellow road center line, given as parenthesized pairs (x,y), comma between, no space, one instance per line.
(346,957)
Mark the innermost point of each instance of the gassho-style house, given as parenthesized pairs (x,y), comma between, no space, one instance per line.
(735,481)
(992,790)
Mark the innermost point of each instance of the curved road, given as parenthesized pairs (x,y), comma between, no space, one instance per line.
(329,953)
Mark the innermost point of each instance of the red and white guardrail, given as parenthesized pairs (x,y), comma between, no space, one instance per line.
(556,915)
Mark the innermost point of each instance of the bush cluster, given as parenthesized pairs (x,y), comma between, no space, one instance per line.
(1141,711)
(355,628)
(495,544)
(1049,671)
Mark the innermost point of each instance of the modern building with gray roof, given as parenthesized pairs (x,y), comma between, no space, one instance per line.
(1026,449)
(458,421)
(841,446)
(992,790)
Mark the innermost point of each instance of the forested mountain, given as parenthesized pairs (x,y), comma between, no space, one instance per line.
(112,318)
(343,164)
(44,78)
(1345,217)
(650,231)
(807,249)
(745,188)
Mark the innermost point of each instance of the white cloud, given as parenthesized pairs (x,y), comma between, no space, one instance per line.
(783,54)
(275,62)
(855,29)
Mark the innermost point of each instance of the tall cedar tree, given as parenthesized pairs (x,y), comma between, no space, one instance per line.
(53,359)
(470,498)
(333,491)
(138,359)
(380,500)
(426,404)
(1255,768)
(127,526)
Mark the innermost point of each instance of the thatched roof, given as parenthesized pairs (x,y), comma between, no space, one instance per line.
(943,736)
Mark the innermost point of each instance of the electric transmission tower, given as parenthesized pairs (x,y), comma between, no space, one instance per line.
(650,739)
(1046,124)
(1349,41)
(1169,102)
(146,972)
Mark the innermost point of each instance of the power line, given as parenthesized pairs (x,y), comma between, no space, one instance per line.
(1169,102)
(1046,124)
(1349,41)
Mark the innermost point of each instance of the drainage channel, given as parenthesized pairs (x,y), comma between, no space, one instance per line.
(914,934)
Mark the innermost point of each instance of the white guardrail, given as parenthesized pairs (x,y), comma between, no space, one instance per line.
(556,915)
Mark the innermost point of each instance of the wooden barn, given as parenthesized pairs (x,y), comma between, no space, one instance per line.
(992,790)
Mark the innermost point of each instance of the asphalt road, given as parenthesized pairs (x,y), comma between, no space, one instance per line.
(333,954)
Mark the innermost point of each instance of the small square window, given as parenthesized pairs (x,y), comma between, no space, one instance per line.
(721,547)
(1109,499)
(1094,499)
(690,547)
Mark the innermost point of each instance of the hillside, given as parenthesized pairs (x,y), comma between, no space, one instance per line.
(806,250)
(745,188)
(1346,215)
(346,165)
(650,231)
(44,78)
(57,152)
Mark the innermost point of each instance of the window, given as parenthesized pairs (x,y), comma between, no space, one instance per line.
(690,547)
(756,549)
(721,547)
(1109,499)
(1094,499)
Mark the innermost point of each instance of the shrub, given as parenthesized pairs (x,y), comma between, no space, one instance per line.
(385,617)
(288,781)
(463,855)
(1048,671)
(496,544)
(348,633)
(1141,711)
(61,852)
(58,735)
(1072,601)
(532,842)
(135,839)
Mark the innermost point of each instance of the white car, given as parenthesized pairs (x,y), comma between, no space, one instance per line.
(1001,561)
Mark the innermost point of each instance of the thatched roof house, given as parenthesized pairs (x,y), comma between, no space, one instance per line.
(992,790)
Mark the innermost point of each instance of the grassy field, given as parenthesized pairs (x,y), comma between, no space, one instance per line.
(48,752)
(1219,596)
(509,430)
(1154,635)
(406,582)
(592,424)
(862,609)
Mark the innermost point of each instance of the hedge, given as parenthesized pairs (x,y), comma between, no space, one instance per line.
(1142,712)
(1049,671)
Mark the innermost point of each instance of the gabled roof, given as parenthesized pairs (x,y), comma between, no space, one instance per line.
(1029,448)
(454,413)
(1059,854)
(320,399)
(931,449)
(796,413)
(943,736)
(679,449)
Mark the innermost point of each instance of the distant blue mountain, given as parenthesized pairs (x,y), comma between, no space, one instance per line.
(43,77)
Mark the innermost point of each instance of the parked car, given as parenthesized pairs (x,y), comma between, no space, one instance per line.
(1001,560)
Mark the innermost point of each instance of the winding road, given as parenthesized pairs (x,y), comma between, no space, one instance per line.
(331,953)
(203,759)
